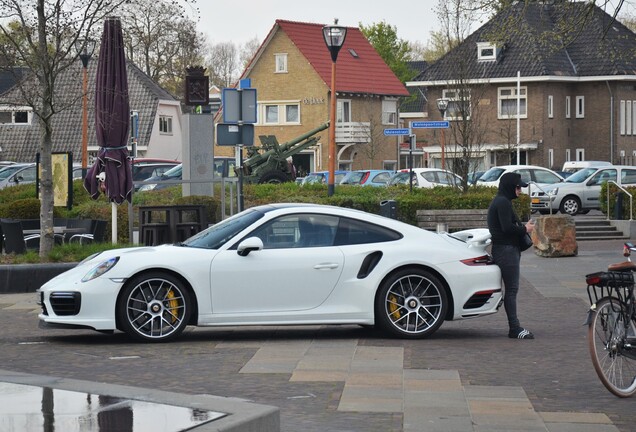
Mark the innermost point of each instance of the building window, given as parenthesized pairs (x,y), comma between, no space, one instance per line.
(567,107)
(343,111)
(627,117)
(389,112)
(281,63)
(458,104)
(550,106)
(568,157)
(486,51)
(580,107)
(16,115)
(280,112)
(165,124)
(550,158)
(508,102)
(580,154)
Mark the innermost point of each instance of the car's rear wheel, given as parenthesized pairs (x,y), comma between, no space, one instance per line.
(411,303)
(570,205)
(154,307)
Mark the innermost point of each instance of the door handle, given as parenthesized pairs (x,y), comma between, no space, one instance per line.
(326,266)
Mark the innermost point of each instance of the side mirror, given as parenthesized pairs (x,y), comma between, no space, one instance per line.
(249,245)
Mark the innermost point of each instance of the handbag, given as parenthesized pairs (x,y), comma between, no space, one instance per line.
(526,242)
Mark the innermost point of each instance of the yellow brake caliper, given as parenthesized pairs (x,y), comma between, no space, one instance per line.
(173,304)
(393,308)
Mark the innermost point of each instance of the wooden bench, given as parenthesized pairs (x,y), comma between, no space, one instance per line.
(455,220)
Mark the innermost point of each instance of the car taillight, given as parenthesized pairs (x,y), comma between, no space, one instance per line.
(365,177)
(479,261)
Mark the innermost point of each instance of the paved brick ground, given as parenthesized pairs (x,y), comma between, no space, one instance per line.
(468,377)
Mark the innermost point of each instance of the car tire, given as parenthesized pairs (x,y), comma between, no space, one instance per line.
(411,303)
(570,205)
(154,307)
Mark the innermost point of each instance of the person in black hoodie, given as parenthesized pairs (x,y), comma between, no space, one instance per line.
(506,231)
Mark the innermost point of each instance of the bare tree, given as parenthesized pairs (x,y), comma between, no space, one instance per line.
(162,40)
(223,64)
(247,52)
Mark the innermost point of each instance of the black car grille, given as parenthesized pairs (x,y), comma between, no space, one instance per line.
(478,300)
(65,303)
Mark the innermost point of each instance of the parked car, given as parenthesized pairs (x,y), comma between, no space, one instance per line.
(282,264)
(541,177)
(322,177)
(580,192)
(367,177)
(426,178)
(19,173)
(147,170)
(223,167)
(474,176)
(574,166)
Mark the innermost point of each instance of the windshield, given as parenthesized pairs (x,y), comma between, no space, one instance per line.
(399,178)
(8,171)
(492,174)
(173,172)
(352,178)
(581,175)
(315,178)
(219,234)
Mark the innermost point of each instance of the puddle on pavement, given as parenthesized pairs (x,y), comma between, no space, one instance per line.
(35,409)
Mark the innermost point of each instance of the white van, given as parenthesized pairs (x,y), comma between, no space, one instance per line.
(574,166)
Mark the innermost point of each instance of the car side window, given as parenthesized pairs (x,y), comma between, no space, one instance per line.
(628,176)
(525,175)
(603,176)
(429,176)
(298,231)
(541,176)
(353,232)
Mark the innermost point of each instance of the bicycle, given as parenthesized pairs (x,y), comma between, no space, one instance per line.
(612,325)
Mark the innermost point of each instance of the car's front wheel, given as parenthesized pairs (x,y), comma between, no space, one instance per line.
(154,307)
(570,205)
(411,303)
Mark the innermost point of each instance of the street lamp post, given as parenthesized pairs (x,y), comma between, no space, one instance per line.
(442,106)
(334,39)
(85,51)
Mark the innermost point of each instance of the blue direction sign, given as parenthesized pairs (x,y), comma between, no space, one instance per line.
(430,124)
(402,131)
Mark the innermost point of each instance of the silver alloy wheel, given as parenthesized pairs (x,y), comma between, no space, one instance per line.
(570,205)
(414,304)
(156,308)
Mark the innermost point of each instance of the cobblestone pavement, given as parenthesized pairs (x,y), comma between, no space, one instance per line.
(468,377)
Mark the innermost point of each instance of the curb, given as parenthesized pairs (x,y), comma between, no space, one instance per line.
(25,278)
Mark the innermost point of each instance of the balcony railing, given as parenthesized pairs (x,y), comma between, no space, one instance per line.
(353,133)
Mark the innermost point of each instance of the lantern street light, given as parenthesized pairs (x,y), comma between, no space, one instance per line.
(442,106)
(334,39)
(85,50)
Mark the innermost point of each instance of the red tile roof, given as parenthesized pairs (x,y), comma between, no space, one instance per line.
(366,73)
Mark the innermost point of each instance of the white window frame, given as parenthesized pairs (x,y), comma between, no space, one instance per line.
(568,108)
(281,112)
(580,107)
(486,51)
(550,157)
(568,156)
(389,112)
(550,107)
(343,110)
(15,109)
(580,154)
(510,93)
(452,96)
(621,117)
(280,63)
(628,118)
(165,124)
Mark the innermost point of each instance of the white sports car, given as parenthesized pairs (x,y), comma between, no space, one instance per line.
(282,264)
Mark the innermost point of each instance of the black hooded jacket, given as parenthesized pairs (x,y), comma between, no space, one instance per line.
(503,223)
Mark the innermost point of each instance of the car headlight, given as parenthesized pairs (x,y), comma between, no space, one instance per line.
(148,187)
(553,192)
(88,258)
(100,269)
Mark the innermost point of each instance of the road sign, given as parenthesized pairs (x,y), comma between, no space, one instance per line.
(430,124)
(239,105)
(401,131)
(228,134)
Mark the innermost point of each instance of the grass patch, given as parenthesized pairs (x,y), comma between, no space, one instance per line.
(61,254)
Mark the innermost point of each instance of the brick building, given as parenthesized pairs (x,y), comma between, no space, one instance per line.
(291,72)
(577,97)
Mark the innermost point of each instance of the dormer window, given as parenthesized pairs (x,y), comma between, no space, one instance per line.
(486,51)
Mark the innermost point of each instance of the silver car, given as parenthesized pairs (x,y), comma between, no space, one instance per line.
(20,173)
(580,192)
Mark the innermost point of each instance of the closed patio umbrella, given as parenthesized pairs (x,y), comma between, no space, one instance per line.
(111,172)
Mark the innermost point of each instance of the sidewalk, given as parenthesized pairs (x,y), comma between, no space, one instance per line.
(469,377)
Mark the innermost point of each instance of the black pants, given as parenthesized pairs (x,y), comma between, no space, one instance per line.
(508,258)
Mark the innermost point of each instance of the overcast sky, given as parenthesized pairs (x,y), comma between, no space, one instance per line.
(242,20)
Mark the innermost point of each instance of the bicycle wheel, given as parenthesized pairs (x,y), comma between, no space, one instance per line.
(613,358)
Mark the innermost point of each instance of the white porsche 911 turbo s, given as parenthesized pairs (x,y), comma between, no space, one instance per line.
(282,264)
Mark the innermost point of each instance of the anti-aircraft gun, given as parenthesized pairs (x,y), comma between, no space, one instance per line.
(268,163)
